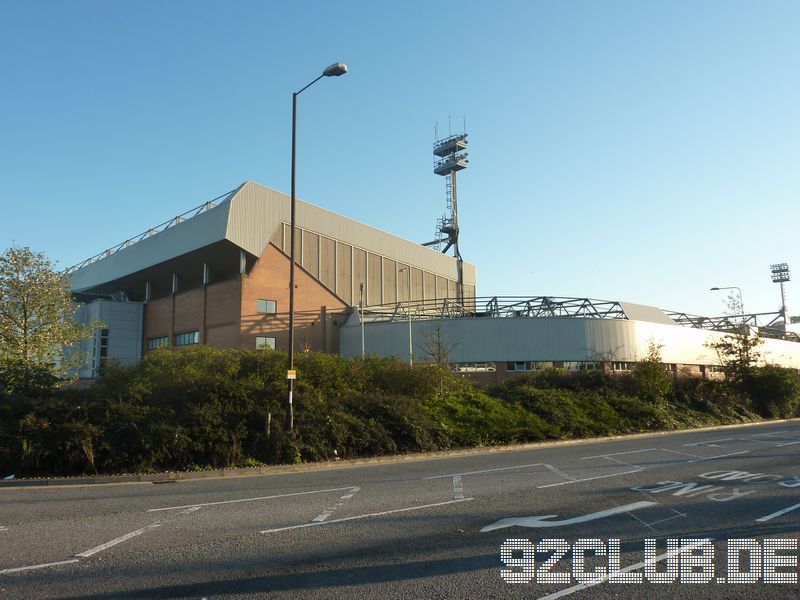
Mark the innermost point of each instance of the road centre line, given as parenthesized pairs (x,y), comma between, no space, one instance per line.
(329,511)
(42,566)
(377,514)
(483,471)
(718,456)
(589,478)
(199,504)
(582,586)
(618,453)
(781,512)
(787,444)
(115,541)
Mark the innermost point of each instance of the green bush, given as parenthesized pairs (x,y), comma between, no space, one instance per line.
(202,408)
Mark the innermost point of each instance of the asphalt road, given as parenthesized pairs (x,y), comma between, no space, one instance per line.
(429,528)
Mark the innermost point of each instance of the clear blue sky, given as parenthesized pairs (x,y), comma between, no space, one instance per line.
(642,151)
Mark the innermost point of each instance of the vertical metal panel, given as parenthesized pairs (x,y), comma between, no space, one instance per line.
(416,284)
(389,281)
(327,262)
(359,273)
(374,279)
(403,282)
(311,253)
(428,286)
(451,289)
(344,273)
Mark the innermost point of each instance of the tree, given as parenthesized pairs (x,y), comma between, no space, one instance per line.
(738,350)
(653,380)
(437,347)
(37,320)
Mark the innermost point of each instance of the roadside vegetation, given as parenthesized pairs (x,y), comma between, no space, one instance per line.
(201,408)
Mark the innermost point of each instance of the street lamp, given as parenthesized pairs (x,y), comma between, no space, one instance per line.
(410,344)
(741,302)
(334,70)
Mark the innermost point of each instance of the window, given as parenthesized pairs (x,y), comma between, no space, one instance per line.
(583,366)
(267,307)
(158,342)
(103,344)
(265,342)
(185,339)
(623,366)
(480,367)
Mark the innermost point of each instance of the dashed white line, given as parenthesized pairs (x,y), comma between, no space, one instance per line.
(42,566)
(200,504)
(589,478)
(558,471)
(483,471)
(329,511)
(681,453)
(377,514)
(618,453)
(119,540)
(582,586)
(718,456)
(458,488)
(781,512)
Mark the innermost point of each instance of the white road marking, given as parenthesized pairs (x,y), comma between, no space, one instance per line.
(677,452)
(590,478)
(458,488)
(377,514)
(119,540)
(787,444)
(788,509)
(582,586)
(3,528)
(558,471)
(329,511)
(42,566)
(539,521)
(618,453)
(718,456)
(709,442)
(483,471)
(189,510)
(200,504)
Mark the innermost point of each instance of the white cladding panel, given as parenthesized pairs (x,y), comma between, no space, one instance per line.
(546,339)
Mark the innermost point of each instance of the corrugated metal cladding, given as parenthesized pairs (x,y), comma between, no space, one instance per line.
(384,283)
(547,339)
(250,217)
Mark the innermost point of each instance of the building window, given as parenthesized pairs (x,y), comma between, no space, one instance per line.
(263,343)
(185,339)
(267,307)
(582,365)
(623,366)
(158,342)
(476,367)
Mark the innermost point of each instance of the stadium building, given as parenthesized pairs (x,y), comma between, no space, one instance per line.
(219,275)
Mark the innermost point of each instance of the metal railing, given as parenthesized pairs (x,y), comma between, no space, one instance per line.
(206,206)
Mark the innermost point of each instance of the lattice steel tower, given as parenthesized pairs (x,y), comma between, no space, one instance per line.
(450,156)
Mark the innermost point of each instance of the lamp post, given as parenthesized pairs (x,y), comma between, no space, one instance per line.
(361,314)
(334,70)
(410,343)
(741,302)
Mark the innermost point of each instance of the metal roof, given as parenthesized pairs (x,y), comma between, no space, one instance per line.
(247,217)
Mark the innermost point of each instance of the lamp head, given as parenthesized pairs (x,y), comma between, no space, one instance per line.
(335,70)
(714,289)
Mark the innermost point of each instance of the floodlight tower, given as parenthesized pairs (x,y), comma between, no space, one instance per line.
(450,156)
(780,274)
